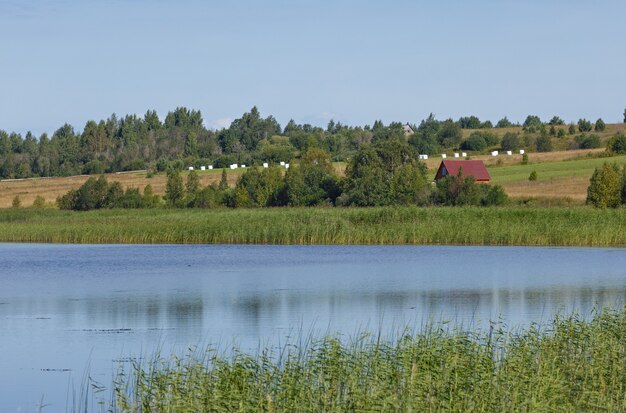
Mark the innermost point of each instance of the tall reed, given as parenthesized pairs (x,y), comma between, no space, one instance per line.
(567,365)
(579,226)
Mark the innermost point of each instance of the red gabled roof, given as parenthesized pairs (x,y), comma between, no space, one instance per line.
(470,168)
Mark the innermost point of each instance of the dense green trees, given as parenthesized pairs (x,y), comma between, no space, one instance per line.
(313,181)
(387,173)
(146,142)
(469,122)
(98,193)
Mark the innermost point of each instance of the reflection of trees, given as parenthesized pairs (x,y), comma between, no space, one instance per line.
(257,313)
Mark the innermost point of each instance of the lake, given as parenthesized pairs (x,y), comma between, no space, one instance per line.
(67,311)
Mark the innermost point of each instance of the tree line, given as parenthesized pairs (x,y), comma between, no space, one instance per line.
(386,173)
(181,139)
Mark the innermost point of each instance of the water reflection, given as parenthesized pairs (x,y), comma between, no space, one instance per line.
(64,306)
(254,314)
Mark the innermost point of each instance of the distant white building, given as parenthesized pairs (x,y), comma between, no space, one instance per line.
(407,129)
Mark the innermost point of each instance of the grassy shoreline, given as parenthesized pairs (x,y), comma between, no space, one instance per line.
(569,364)
(529,226)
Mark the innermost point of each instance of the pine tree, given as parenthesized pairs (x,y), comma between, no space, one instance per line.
(223,182)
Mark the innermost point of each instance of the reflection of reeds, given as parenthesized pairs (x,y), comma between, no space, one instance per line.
(389,225)
(567,365)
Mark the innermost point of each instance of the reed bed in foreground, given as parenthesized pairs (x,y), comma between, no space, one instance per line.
(534,226)
(567,365)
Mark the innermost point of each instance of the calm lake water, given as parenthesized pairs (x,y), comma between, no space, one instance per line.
(64,308)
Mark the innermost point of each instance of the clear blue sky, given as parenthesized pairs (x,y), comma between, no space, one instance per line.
(354,61)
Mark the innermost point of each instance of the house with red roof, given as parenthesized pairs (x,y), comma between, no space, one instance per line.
(470,168)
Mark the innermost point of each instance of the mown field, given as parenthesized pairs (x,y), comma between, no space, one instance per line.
(568,365)
(562,174)
(559,226)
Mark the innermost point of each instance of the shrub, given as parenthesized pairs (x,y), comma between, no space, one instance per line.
(39,202)
(476,142)
(532,123)
(505,123)
(552,130)
(617,143)
(588,142)
(93,194)
(162,165)
(556,121)
(600,126)
(94,167)
(532,176)
(17,202)
(495,196)
(584,125)
(543,143)
(605,189)
(525,159)
(510,141)
(571,129)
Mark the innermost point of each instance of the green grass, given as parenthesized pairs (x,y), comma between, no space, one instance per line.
(568,365)
(562,226)
(547,170)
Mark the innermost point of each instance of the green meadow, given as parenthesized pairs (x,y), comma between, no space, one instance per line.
(515,225)
(582,167)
